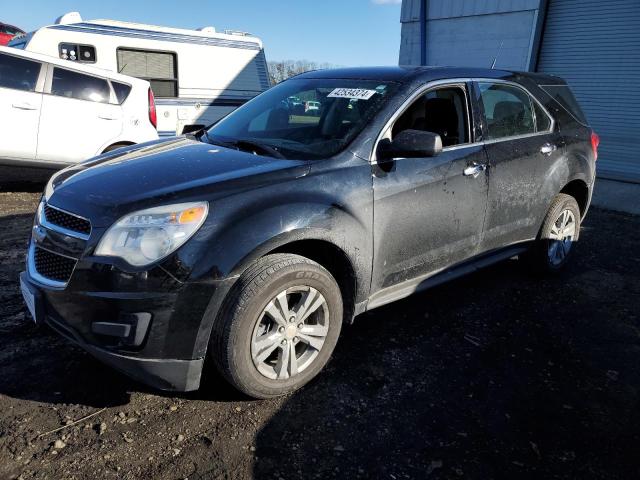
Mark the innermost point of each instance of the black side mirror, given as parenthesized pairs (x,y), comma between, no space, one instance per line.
(410,144)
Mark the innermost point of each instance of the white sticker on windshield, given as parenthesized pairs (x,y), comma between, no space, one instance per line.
(352,93)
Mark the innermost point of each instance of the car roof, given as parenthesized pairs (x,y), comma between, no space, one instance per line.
(12,26)
(409,74)
(79,67)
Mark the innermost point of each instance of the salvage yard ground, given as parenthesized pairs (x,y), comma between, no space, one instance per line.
(497,375)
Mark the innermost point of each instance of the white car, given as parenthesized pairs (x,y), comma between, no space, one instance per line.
(56,113)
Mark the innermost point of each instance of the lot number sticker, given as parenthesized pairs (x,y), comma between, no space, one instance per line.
(352,93)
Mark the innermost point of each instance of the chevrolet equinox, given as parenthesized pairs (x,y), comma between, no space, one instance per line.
(250,243)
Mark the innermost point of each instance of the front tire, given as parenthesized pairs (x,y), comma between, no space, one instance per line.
(559,233)
(279,326)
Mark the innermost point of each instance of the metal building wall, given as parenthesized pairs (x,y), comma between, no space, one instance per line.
(470,32)
(595,46)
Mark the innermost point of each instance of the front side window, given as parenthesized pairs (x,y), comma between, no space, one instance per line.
(158,68)
(442,111)
(66,83)
(18,73)
(507,109)
(305,118)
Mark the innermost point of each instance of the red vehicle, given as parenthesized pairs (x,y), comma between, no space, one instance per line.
(7,32)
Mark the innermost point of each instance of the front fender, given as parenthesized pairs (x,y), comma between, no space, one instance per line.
(256,235)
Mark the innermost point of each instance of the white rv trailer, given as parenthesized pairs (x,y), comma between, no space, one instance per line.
(197,76)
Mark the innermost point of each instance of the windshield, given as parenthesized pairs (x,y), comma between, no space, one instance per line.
(303,118)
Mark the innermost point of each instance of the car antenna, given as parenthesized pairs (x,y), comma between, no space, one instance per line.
(495,59)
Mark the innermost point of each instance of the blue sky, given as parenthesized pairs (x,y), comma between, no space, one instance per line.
(340,32)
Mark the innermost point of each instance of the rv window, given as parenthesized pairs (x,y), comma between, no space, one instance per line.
(77,53)
(18,73)
(159,68)
(70,84)
(121,90)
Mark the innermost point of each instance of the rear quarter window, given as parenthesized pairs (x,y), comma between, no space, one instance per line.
(122,91)
(562,94)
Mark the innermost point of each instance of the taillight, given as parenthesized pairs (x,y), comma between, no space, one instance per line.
(153,116)
(595,141)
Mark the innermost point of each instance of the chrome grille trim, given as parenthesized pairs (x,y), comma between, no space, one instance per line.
(42,220)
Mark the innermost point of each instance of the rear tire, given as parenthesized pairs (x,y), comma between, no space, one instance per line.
(278,327)
(557,237)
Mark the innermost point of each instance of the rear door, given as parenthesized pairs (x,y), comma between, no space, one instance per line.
(520,141)
(20,106)
(80,117)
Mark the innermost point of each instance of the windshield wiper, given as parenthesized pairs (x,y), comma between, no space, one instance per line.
(251,145)
(245,145)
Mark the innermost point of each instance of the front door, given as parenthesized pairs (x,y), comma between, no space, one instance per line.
(78,117)
(429,212)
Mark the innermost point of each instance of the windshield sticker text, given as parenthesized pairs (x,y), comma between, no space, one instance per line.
(352,93)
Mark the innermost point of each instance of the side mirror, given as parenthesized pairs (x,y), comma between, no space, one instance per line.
(410,144)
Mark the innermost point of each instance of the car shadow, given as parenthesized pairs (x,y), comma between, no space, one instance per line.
(499,374)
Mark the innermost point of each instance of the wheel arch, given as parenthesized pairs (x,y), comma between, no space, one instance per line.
(335,260)
(579,190)
(113,146)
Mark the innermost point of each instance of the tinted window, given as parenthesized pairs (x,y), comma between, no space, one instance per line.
(18,73)
(70,84)
(507,110)
(121,90)
(159,68)
(442,111)
(562,94)
(543,122)
(305,118)
(8,29)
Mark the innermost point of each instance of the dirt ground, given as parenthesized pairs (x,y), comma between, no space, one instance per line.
(497,375)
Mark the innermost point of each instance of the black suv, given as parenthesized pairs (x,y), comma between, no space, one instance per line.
(251,242)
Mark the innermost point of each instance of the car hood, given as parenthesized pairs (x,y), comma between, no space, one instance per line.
(162,172)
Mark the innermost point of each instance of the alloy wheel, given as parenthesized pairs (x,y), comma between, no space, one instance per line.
(563,232)
(290,332)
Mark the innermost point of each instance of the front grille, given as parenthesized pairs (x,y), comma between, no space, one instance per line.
(66,220)
(53,266)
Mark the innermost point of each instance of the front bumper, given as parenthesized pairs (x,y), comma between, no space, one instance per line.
(153,324)
(163,373)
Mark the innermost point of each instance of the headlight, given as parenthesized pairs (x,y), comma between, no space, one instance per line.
(147,236)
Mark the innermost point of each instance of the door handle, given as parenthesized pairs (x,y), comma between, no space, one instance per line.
(24,106)
(107,117)
(474,170)
(548,149)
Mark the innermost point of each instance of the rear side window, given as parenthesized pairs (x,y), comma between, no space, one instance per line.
(121,90)
(67,83)
(508,110)
(543,122)
(159,68)
(18,73)
(562,94)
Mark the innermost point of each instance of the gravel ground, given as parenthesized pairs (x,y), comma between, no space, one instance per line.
(497,375)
